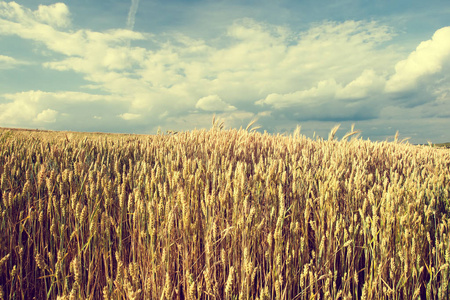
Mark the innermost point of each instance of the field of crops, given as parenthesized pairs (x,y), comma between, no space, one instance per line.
(221,214)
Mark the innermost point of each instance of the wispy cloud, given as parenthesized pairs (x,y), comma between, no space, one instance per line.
(132,14)
(7,62)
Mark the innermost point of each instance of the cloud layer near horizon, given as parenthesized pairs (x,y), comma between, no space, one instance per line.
(137,81)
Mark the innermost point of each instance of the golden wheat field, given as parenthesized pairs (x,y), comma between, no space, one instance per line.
(221,214)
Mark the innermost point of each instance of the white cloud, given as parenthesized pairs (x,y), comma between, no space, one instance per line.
(20,111)
(55,15)
(36,107)
(57,97)
(253,61)
(42,25)
(367,82)
(46,116)
(324,90)
(130,116)
(427,59)
(7,62)
(213,103)
(11,10)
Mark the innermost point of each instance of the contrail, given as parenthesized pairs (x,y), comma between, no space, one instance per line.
(132,14)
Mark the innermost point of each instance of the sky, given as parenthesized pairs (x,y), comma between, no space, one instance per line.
(142,65)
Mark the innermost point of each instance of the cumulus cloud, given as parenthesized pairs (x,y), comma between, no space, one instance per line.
(213,103)
(18,112)
(254,60)
(367,83)
(324,90)
(329,100)
(56,15)
(427,59)
(46,116)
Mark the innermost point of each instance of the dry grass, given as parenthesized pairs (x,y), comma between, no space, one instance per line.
(221,215)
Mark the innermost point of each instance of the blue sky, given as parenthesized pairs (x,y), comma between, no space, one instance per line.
(136,66)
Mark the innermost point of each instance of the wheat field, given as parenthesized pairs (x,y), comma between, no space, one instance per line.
(221,214)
